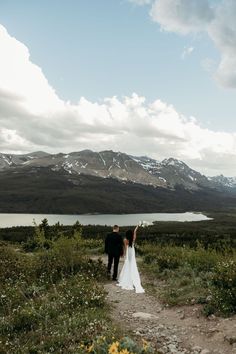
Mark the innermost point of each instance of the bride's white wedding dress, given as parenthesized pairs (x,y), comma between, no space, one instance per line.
(129,278)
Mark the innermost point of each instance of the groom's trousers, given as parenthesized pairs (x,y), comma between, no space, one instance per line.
(111,258)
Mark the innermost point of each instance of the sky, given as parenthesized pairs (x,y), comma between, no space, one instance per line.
(144,77)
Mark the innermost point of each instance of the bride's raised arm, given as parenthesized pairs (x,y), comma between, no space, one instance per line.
(135,232)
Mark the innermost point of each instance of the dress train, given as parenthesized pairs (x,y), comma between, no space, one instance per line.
(129,278)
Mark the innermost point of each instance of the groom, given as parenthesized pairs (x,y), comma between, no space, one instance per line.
(114,249)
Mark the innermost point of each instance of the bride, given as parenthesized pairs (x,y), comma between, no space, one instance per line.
(129,278)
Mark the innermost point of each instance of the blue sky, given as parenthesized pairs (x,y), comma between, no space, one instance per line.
(103,48)
(84,51)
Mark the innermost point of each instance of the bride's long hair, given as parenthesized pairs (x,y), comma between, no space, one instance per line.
(129,235)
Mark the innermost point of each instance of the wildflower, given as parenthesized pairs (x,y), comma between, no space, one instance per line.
(124,351)
(113,348)
(90,348)
(145,344)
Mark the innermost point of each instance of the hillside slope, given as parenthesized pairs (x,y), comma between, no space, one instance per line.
(41,190)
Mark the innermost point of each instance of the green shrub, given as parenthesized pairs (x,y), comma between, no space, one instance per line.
(25,319)
(223,288)
(13,265)
(65,259)
(50,300)
(173,257)
(51,314)
(202,259)
(190,274)
(165,257)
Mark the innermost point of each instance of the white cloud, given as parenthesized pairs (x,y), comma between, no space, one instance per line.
(19,75)
(33,117)
(10,140)
(187,51)
(182,16)
(194,16)
(223,33)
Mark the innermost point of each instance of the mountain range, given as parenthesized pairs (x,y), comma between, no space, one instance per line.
(107,181)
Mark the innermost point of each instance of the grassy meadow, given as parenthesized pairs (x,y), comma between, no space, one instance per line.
(52,298)
(187,276)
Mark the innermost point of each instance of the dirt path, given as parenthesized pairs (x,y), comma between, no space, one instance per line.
(176,330)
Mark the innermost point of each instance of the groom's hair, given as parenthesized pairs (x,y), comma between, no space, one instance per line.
(115,227)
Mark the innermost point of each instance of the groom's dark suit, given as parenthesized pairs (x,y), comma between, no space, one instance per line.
(114,249)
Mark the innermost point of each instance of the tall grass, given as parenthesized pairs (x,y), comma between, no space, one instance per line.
(193,275)
(52,300)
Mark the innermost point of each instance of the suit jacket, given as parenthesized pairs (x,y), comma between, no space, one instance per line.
(114,244)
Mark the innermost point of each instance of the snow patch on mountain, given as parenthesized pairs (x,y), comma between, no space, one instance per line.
(224,181)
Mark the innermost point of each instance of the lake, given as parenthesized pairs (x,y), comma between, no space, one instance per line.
(9,220)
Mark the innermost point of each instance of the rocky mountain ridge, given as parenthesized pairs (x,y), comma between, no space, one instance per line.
(168,173)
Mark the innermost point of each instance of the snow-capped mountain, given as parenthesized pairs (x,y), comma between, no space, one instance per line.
(221,180)
(10,160)
(168,173)
(177,172)
(107,182)
(174,172)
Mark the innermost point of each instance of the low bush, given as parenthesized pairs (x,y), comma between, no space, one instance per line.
(50,300)
(223,288)
(194,275)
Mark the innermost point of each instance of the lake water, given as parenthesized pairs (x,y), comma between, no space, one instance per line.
(9,220)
